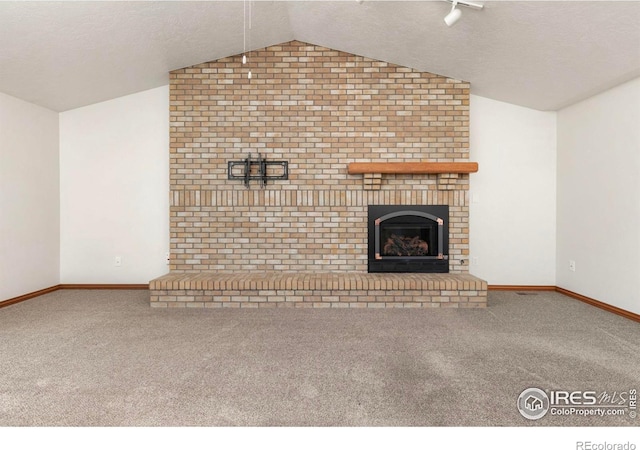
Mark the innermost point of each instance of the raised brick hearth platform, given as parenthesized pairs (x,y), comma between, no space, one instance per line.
(317,290)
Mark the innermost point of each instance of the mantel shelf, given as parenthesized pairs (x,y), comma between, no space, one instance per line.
(412,167)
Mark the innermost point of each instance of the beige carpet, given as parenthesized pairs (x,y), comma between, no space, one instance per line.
(104,358)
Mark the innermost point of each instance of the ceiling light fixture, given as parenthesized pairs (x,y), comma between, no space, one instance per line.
(454,15)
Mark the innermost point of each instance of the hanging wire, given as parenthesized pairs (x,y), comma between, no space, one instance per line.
(250,15)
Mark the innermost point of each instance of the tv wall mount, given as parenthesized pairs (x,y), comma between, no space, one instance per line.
(257,169)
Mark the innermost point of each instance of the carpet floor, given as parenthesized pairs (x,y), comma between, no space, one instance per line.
(105,358)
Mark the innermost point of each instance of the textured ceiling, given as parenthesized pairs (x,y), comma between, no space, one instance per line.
(543,55)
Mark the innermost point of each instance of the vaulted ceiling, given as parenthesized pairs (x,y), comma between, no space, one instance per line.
(542,55)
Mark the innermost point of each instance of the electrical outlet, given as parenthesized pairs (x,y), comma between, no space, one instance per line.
(474,261)
(572,265)
(117,261)
(168,258)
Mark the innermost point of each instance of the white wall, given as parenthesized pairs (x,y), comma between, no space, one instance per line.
(29,198)
(114,189)
(599,197)
(512,213)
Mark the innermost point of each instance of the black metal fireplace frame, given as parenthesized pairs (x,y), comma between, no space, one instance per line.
(438,263)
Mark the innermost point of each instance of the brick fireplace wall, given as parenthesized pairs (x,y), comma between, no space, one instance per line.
(319,109)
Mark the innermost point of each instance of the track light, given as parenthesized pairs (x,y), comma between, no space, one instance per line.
(455,14)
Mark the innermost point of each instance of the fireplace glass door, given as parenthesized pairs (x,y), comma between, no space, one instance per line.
(408,238)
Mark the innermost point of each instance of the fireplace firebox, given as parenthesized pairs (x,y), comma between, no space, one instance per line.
(409,238)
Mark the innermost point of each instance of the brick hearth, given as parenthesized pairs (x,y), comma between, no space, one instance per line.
(317,290)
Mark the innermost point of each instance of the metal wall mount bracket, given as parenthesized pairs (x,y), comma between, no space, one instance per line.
(256,169)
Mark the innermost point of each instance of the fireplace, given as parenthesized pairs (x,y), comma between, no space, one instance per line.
(408,238)
(303,241)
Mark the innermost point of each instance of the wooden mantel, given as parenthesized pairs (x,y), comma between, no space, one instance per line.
(412,167)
